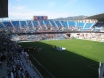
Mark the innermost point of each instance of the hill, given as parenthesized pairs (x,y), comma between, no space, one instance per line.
(81,17)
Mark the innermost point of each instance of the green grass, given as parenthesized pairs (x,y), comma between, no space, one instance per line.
(79,60)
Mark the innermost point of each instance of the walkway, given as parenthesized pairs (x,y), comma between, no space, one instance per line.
(32,72)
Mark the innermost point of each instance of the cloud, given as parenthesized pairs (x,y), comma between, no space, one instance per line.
(20,7)
(16,7)
(70,2)
(51,4)
(20,11)
(29,14)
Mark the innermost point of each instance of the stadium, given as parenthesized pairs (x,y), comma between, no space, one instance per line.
(52,48)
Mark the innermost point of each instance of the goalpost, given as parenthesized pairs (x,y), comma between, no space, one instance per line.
(101,70)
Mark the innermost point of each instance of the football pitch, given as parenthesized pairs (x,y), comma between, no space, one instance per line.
(79,60)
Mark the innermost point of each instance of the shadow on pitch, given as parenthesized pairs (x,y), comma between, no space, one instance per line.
(62,64)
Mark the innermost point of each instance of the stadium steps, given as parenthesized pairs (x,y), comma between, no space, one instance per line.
(30,69)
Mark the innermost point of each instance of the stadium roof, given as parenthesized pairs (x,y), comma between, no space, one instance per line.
(3,8)
(97,17)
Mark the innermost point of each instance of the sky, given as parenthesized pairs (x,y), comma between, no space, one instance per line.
(26,9)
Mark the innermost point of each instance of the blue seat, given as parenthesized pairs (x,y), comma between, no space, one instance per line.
(7,24)
(65,25)
(98,25)
(23,24)
(80,24)
(36,24)
(1,25)
(47,23)
(41,23)
(15,23)
(71,23)
(52,22)
(58,24)
(88,25)
(29,23)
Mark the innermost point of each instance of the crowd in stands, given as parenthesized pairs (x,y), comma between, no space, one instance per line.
(38,37)
(2,49)
(92,36)
(9,52)
(15,64)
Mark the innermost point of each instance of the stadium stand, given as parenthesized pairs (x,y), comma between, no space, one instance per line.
(1,27)
(88,25)
(65,25)
(12,62)
(35,23)
(23,24)
(99,24)
(58,24)
(80,24)
(71,23)
(31,26)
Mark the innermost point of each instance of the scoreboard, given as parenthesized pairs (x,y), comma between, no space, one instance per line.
(40,17)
